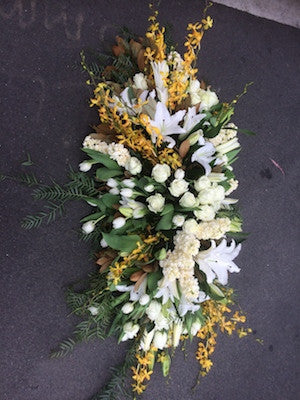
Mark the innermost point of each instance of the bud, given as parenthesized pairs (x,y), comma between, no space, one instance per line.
(145,298)
(126,211)
(149,188)
(111,182)
(126,192)
(161,254)
(119,222)
(85,166)
(129,183)
(127,308)
(177,329)
(193,138)
(93,310)
(88,227)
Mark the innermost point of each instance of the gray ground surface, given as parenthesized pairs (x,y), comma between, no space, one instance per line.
(45,111)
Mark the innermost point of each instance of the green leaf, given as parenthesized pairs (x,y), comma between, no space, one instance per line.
(92,217)
(165,222)
(215,292)
(110,199)
(122,243)
(152,280)
(28,162)
(166,365)
(247,132)
(168,208)
(238,236)
(102,159)
(104,173)
(232,154)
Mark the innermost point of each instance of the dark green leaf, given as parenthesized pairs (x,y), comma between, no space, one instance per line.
(104,173)
(102,159)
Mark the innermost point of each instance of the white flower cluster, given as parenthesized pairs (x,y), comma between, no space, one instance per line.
(225,135)
(179,264)
(116,151)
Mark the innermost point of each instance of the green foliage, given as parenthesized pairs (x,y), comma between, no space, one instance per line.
(121,243)
(28,162)
(64,348)
(53,210)
(116,387)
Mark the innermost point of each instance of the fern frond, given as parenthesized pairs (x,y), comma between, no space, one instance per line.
(64,348)
(34,221)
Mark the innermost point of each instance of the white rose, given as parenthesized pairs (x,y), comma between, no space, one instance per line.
(188,200)
(88,227)
(134,166)
(219,193)
(161,172)
(178,187)
(156,203)
(160,340)
(178,220)
(207,99)
(195,328)
(161,322)
(179,173)
(129,183)
(202,183)
(144,299)
(153,310)
(126,192)
(127,308)
(149,188)
(118,222)
(207,213)
(191,226)
(140,81)
(207,196)
(130,331)
(93,310)
(85,166)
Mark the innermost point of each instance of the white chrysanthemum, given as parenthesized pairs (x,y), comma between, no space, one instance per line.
(186,243)
(95,144)
(215,229)
(119,153)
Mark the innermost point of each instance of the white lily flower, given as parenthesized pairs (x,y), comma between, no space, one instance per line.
(191,119)
(217,261)
(130,331)
(167,124)
(147,339)
(185,306)
(135,295)
(160,71)
(167,290)
(204,155)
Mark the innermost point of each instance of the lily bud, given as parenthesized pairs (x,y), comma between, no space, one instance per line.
(126,211)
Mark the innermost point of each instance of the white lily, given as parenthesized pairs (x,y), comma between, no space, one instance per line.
(160,71)
(167,124)
(191,119)
(217,261)
(134,294)
(185,306)
(204,155)
(167,290)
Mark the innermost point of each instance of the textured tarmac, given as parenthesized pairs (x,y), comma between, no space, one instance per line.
(45,112)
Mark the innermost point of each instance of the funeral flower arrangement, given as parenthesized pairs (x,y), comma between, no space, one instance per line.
(165,229)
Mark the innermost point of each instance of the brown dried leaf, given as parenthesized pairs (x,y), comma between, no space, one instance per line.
(184,148)
(141,60)
(117,50)
(105,266)
(135,47)
(148,268)
(140,281)
(136,275)
(203,84)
